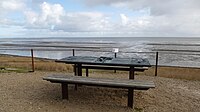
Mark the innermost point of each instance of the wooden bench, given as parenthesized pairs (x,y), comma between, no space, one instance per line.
(87,67)
(131,85)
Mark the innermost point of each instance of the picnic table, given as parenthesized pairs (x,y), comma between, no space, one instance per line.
(108,63)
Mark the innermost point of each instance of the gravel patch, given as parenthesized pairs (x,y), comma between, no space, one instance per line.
(22,92)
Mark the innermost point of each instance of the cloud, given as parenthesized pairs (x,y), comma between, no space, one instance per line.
(50,14)
(144,18)
(55,15)
(86,21)
(169,17)
(11,5)
(158,7)
(8,8)
(56,19)
(124,19)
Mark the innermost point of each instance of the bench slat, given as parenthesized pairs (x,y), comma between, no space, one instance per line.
(123,83)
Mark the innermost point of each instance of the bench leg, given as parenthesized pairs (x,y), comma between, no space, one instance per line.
(130,97)
(64,91)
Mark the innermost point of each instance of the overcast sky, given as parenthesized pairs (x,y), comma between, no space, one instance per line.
(128,18)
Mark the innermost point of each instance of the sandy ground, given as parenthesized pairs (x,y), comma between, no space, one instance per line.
(27,92)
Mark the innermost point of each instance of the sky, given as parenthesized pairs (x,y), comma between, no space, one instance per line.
(99,18)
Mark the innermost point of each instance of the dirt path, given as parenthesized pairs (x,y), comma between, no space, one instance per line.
(22,92)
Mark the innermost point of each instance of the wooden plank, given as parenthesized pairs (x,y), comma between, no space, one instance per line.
(138,69)
(123,83)
(105,67)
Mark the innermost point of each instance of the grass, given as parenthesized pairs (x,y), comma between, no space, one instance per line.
(40,64)
(23,64)
(17,70)
(138,109)
(175,72)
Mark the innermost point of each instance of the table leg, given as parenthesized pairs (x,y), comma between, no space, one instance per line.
(75,69)
(131,73)
(86,70)
(79,69)
(75,74)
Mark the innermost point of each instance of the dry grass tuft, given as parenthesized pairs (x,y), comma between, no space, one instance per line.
(53,66)
(175,72)
(40,64)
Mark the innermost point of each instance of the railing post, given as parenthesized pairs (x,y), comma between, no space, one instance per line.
(33,68)
(73,52)
(156,68)
(115,57)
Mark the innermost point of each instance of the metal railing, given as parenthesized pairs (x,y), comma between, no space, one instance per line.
(74,51)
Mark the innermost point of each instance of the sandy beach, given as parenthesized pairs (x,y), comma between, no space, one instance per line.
(22,92)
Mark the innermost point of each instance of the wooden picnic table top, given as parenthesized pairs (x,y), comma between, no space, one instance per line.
(110,61)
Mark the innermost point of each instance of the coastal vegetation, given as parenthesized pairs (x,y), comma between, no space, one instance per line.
(10,63)
(25,63)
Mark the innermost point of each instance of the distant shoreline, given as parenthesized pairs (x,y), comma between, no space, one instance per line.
(175,51)
(174,44)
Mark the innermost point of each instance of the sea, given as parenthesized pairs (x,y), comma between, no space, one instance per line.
(172,51)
